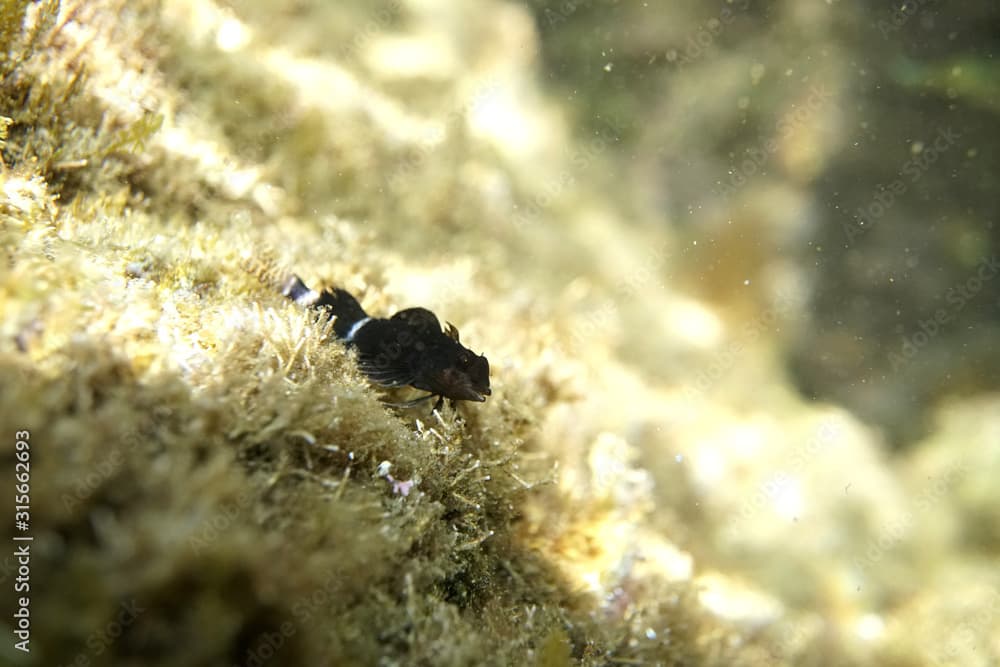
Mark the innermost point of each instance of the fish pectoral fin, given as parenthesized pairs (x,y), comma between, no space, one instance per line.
(387,376)
(412,402)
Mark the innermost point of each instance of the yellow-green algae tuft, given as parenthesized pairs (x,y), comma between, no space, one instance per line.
(214,482)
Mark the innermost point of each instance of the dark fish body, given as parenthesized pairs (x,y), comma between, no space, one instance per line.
(409,348)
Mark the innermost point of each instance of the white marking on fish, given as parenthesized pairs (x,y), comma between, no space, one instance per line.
(355,328)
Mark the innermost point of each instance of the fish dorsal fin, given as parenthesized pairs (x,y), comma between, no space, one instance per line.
(452,332)
(420,318)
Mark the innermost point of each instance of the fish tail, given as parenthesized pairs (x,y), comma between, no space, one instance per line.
(338,303)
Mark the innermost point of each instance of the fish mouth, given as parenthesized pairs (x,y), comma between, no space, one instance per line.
(478,395)
(458,386)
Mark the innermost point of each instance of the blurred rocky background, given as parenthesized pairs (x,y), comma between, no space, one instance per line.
(841,151)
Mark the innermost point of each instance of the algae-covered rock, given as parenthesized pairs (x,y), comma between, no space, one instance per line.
(209,477)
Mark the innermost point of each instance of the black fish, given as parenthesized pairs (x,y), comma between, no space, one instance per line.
(408,348)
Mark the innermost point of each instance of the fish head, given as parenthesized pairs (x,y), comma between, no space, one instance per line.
(467,378)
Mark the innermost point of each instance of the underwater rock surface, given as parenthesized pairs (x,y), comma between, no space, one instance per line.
(213,480)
